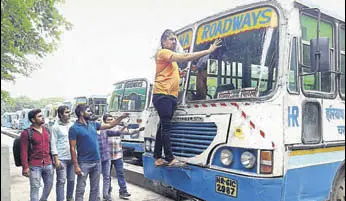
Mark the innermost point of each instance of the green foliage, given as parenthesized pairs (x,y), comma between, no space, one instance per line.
(28,28)
(6,102)
(23,102)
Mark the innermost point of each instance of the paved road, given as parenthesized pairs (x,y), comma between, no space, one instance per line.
(20,185)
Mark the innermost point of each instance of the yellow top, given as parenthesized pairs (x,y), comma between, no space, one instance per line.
(167,74)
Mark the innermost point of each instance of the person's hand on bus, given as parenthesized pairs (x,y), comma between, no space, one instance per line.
(215,45)
(26,172)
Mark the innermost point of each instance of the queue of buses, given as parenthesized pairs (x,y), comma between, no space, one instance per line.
(271,124)
(19,119)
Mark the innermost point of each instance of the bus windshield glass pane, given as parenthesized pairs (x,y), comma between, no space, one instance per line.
(81,100)
(246,64)
(134,96)
(114,103)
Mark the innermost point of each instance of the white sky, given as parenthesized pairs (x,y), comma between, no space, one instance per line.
(114,40)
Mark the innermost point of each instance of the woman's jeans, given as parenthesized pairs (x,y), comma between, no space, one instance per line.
(119,168)
(94,170)
(165,106)
(66,172)
(46,172)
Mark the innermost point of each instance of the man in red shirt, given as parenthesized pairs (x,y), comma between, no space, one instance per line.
(36,158)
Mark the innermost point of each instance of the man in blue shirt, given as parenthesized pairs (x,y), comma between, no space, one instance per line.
(83,134)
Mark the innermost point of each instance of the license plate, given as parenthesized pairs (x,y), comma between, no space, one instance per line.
(226,186)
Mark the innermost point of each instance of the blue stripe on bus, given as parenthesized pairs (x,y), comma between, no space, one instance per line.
(303,184)
(137,146)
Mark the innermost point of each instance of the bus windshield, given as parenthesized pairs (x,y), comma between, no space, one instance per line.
(134,97)
(99,105)
(81,100)
(114,103)
(246,64)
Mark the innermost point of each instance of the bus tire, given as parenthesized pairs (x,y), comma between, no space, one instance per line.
(338,190)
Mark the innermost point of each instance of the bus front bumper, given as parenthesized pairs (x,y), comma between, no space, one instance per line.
(214,185)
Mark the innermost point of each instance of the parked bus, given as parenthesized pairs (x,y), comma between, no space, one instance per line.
(98,105)
(114,99)
(7,119)
(132,96)
(76,101)
(15,122)
(271,123)
(24,122)
(68,103)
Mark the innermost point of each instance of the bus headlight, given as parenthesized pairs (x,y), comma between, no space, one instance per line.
(226,157)
(147,145)
(152,146)
(248,160)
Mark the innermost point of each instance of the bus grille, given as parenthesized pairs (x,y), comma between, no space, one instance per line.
(191,139)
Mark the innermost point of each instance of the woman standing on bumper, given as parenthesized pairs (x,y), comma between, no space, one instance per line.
(166,88)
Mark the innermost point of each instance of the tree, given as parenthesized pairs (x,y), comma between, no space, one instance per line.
(7,103)
(29,29)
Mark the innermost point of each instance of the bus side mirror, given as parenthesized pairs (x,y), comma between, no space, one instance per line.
(319,55)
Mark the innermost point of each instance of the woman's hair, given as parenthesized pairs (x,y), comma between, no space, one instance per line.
(165,35)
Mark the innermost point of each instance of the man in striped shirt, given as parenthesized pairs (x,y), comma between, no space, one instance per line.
(111,154)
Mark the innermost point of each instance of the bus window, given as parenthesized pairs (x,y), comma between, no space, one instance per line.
(342,61)
(98,105)
(114,104)
(292,80)
(320,81)
(185,41)
(245,65)
(311,123)
(134,96)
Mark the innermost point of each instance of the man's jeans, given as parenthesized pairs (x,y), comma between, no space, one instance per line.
(94,170)
(106,170)
(165,106)
(66,172)
(46,172)
(119,168)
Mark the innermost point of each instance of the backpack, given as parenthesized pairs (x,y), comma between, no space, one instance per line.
(16,146)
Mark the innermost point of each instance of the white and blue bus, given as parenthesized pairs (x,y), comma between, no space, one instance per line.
(24,121)
(7,119)
(132,96)
(271,124)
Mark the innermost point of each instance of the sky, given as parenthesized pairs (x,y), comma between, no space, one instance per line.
(113,40)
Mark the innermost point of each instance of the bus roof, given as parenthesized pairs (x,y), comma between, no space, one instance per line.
(325,11)
(97,96)
(132,79)
(242,4)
